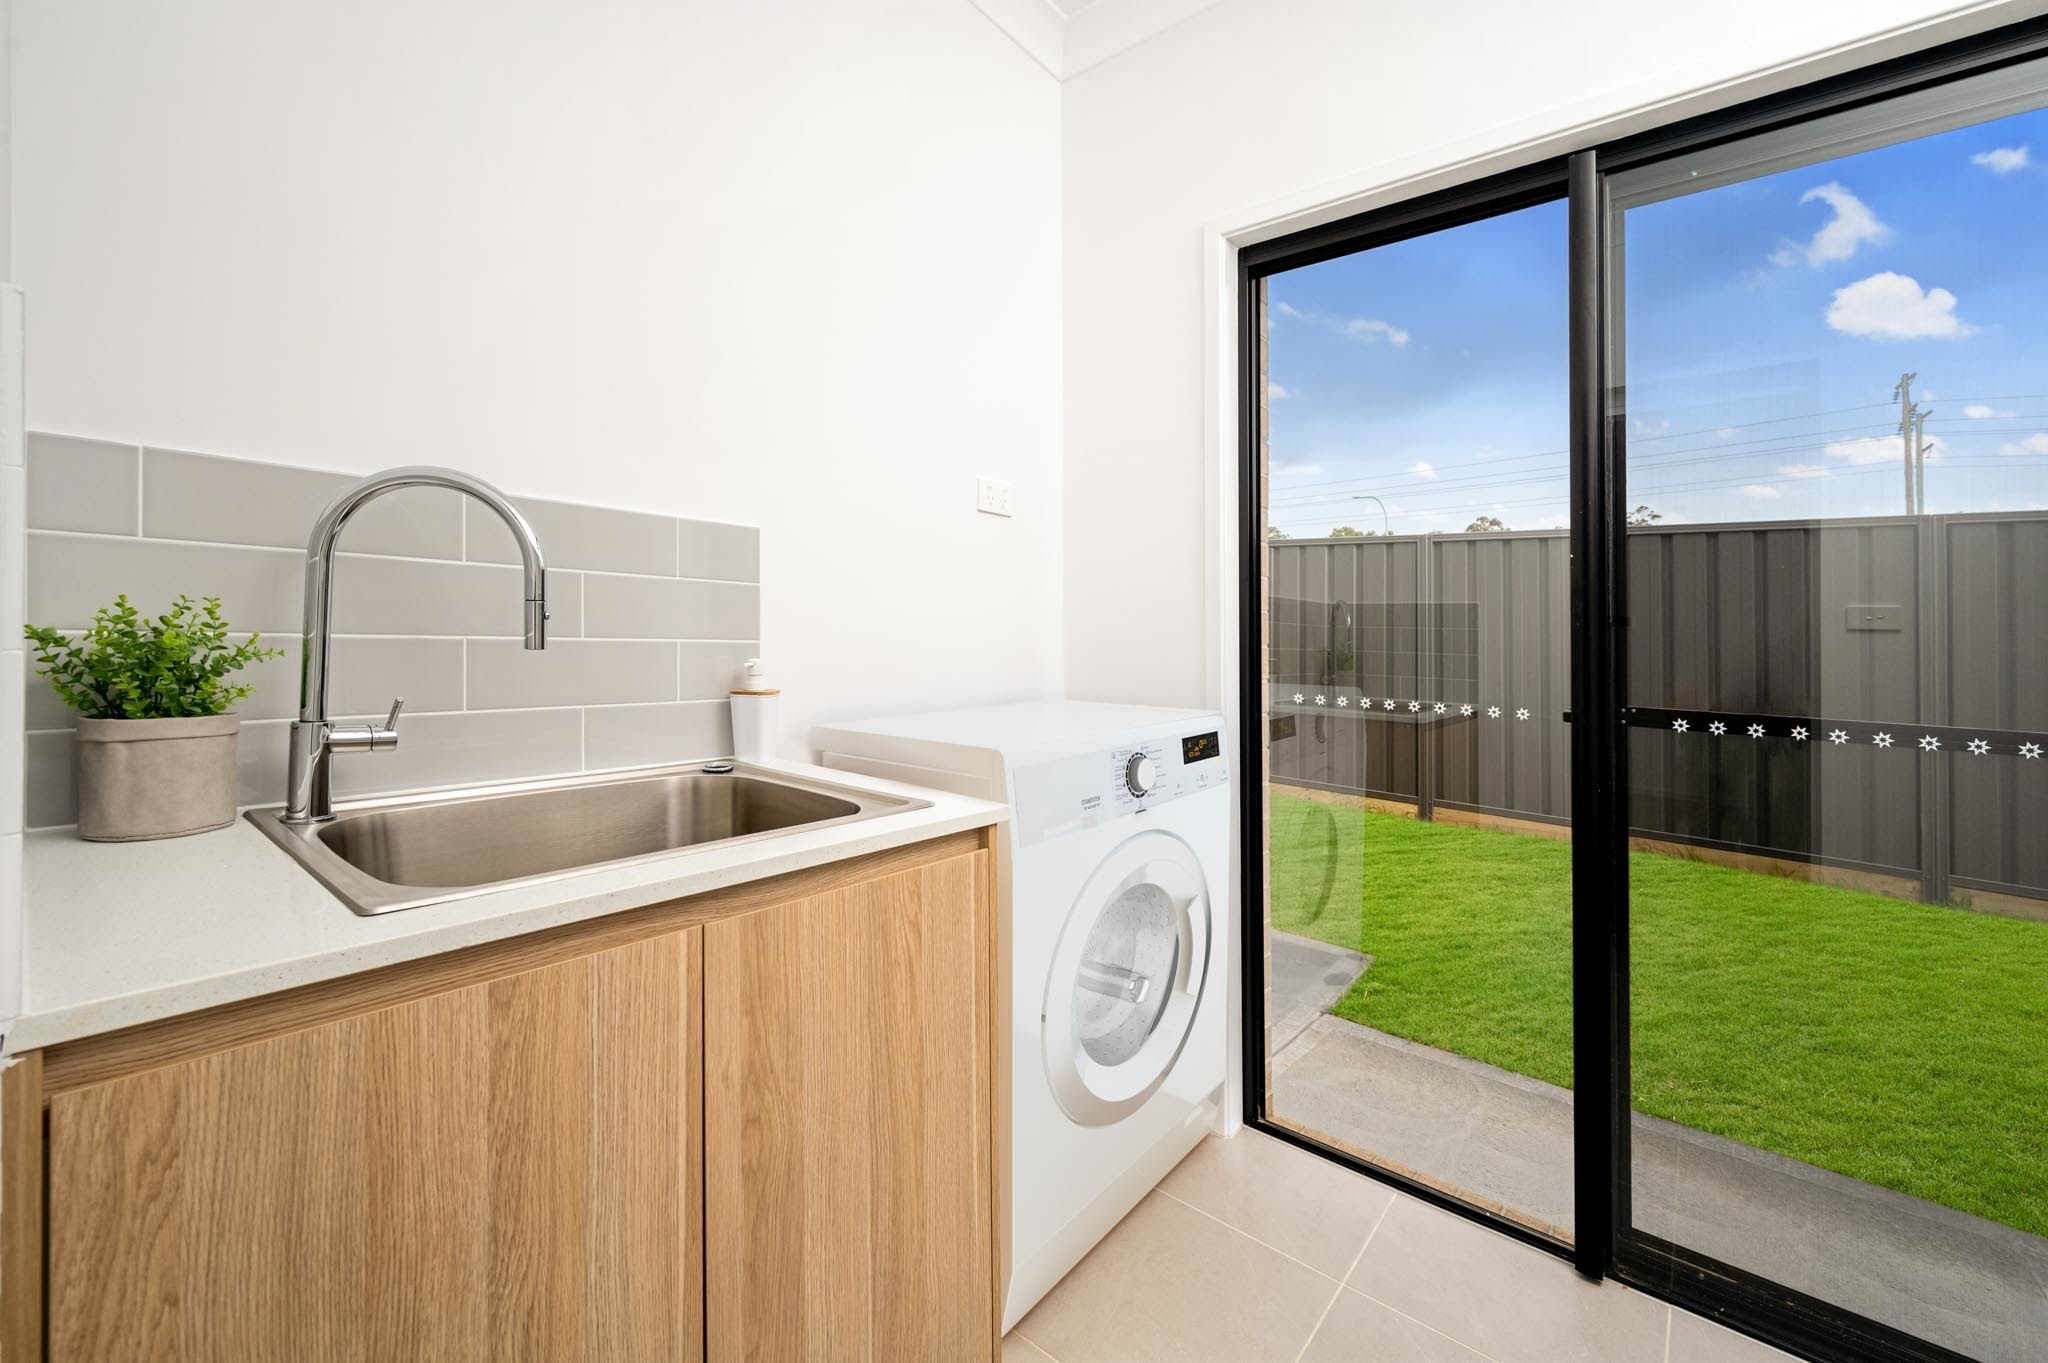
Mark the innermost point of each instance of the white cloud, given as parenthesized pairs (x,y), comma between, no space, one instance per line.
(2002,160)
(1293,470)
(1867,449)
(1838,237)
(1652,430)
(1370,329)
(1880,449)
(2033,444)
(1978,411)
(1760,490)
(1802,471)
(1893,307)
(1275,393)
(1423,469)
(1725,433)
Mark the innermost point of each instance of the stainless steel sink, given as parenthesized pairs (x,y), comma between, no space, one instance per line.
(380,855)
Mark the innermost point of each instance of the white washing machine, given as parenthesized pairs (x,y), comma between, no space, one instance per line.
(1114,916)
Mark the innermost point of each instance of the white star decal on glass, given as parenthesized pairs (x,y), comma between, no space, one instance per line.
(1413,706)
(1319,700)
(1756,731)
(1464,709)
(1343,701)
(1493,712)
(1882,739)
(1521,714)
(1441,707)
(1929,743)
(1837,736)
(1298,697)
(1799,732)
(1978,747)
(1717,728)
(2030,751)
(1680,725)
(1390,702)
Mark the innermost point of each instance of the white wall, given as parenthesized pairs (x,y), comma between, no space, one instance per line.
(793,264)
(1255,109)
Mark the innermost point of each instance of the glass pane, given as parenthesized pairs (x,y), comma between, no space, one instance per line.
(1417,664)
(1837,653)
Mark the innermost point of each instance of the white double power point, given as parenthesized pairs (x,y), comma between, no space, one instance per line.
(992,496)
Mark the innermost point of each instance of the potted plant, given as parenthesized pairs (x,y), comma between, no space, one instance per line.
(156,736)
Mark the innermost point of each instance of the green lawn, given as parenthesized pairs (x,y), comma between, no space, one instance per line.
(1898,1043)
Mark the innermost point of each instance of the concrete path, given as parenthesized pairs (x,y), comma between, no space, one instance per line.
(1305,979)
(1970,1284)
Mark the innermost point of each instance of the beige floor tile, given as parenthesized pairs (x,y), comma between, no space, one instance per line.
(1505,1299)
(1300,1204)
(1170,1285)
(1694,1340)
(1359,1329)
(1017,1349)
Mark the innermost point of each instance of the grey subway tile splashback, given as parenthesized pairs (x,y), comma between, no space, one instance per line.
(504,675)
(426,606)
(71,576)
(81,485)
(375,595)
(367,674)
(578,537)
(730,553)
(644,735)
(463,750)
(240,501)
(643,607)
(710,671)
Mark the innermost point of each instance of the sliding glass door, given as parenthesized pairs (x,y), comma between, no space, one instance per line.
(1646,666)
(1829,368)
(1418,916)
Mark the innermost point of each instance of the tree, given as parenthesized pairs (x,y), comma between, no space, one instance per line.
(1347,532)
(1642,515)
(1274,532)
(1485,525)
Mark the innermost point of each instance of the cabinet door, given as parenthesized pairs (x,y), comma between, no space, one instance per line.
(509,1170)
(848,1127)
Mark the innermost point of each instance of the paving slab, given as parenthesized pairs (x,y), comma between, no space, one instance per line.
(1970,1284)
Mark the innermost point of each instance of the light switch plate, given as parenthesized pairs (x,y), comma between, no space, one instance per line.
(992,496)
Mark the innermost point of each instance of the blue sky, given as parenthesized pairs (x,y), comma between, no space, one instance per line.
(1767,323)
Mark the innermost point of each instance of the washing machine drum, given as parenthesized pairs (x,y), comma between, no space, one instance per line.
(1126,978)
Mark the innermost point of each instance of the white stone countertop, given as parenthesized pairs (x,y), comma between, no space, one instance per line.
(123,933)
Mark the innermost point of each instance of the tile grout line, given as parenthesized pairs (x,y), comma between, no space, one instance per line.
(1475,1350)
(1239,1230)
(59,533)
(1331,1304)
(1670,1317)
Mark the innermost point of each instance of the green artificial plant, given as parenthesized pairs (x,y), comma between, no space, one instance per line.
(133,666)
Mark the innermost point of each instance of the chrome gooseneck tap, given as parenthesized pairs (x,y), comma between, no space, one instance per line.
(315,739)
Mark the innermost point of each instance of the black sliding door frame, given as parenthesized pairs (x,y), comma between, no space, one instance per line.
(1605,1243)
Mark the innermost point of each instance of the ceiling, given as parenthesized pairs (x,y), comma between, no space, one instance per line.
(1067,37)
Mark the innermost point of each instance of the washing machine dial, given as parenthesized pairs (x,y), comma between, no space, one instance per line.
(1140,775)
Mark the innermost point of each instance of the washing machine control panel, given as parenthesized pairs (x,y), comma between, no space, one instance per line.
(1073,792)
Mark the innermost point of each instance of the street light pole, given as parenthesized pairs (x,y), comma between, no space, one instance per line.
(1386,523)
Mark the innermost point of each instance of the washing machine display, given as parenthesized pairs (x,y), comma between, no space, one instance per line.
(1126,978)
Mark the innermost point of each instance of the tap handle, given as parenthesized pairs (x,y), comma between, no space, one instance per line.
(391,720)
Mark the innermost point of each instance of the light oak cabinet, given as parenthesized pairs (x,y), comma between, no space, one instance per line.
(756,1124)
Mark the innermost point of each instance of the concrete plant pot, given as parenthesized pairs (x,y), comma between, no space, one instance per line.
(155,778)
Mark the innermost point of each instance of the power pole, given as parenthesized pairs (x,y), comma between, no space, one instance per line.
(1903,394)
(1920,461)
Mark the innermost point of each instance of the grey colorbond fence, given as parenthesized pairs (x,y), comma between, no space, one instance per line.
(1934,626)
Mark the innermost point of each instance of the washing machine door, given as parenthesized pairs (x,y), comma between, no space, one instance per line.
(1126,978)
